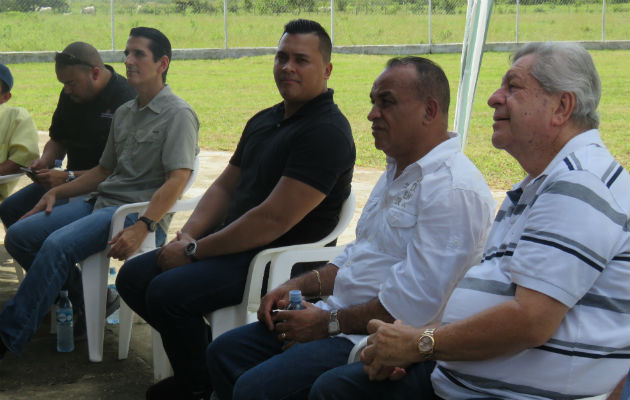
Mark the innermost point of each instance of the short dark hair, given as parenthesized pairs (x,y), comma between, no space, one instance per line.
(432,81)
(79,54)
(158,43)
(4,86)
(308,26)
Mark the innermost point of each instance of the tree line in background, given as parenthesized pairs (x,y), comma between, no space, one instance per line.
(272,6)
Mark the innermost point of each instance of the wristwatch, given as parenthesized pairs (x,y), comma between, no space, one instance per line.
(333,323)
(426,344)
(71,176)
(151,225)
(191,250)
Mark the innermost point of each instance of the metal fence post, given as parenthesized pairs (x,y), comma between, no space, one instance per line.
(111,10)
(225,34)
(603,20)
(430,22)
(332,22)
(518,3)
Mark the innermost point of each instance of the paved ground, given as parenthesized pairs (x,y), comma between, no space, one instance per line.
(42,373)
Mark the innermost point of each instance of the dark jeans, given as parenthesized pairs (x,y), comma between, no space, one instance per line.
(248,363)
(350,382)
(174,302)
(22,201)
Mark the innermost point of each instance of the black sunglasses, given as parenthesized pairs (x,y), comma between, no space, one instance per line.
(69,59)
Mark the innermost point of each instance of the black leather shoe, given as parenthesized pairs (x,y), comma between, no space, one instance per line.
(170,389)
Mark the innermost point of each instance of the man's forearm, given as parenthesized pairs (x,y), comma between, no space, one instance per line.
(355,319)
(9,167)
(52,151)
(87,183)
(309,284)
(289,202)
(527,321)
(164,198)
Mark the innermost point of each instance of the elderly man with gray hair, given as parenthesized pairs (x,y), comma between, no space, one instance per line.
(547,312)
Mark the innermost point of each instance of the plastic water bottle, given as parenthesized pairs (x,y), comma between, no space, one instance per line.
(295,300)
(65,321)
(113,319)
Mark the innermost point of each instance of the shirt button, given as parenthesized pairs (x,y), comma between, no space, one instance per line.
(278,125)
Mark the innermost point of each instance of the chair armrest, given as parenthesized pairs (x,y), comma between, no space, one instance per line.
(10,177)
(355,354)
(282,263)
(282,260)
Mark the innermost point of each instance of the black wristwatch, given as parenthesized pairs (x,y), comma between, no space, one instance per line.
(191,250)
(151,225)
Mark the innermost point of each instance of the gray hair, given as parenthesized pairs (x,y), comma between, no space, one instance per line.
(567,67)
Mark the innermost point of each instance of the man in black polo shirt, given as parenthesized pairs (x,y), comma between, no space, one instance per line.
(285,184)
(92,91)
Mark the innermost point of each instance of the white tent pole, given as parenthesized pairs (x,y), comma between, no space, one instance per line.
(477,19)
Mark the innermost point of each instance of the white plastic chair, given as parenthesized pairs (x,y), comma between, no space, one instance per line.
(95,268)
(281,261)
(7,179)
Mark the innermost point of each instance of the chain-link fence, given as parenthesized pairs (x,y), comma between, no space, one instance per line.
(31,25)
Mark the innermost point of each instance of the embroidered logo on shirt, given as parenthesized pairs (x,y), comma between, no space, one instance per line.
(406,194)
(107,114)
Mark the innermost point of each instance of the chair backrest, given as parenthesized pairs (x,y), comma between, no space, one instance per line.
(193,175)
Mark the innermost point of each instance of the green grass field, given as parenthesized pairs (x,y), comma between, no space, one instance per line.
(25,31)
(225,93)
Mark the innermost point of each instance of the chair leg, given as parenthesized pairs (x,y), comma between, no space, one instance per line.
(19,271)
(53,319)
(161,365)
(124,330)
(94,273)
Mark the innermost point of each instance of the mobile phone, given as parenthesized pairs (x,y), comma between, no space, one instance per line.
(27,170)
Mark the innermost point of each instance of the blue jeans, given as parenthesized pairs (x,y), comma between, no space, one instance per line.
(174,302)
(22,201)
(248,363)
(625,393)
(350,382)
(48,246)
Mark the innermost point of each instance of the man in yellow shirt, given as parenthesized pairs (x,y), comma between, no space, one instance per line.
(18,134)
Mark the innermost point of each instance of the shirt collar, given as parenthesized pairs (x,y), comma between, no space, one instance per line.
(434,158)
(589,137)
(317,101)
(157,103)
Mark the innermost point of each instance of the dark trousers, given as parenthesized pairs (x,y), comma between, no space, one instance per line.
(174,302)
(248,363)
(350,382)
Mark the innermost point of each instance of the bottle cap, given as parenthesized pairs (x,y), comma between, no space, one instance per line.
(64,293)
(295,296)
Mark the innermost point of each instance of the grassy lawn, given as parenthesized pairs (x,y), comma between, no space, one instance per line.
(24,31)
(225,93)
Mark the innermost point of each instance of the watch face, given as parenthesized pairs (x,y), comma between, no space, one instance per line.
(190,248)
(425,344)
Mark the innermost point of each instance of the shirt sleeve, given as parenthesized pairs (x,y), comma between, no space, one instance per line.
(319,156)
(560,254)
(23,143)
(180,146)
(450,232)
